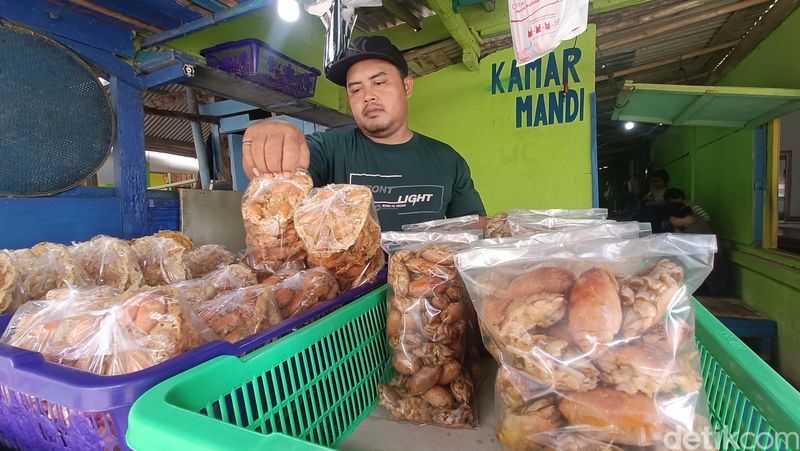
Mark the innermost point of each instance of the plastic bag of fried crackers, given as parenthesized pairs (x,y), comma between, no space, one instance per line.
(108,261)
(339,227)
(594,338)
(226,278)
(104,331)
(520,222)
(43,325)
(268,208)
(161,260)
(10,279)
(303,290)
(431,329)
(235,315)
(45,267)
(207,258)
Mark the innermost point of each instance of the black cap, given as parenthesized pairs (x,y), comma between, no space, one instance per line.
(365,48)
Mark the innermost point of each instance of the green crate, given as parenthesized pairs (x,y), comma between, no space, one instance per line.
(312,388)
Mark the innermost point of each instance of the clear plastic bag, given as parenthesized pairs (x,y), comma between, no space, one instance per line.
(339,226)
(468,223)
(520,222)
(45,267)
(104,331)
(235,315)
(226,278)
(109,261)
(179,237)
(206,258)
(497,226)
(231,277)
(161,260)
(268,209)
(304,290)
(607,230)
(40,325)
(594,338)
(431,326)
(10,280)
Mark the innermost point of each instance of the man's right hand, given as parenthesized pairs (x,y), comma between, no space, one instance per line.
(274,147)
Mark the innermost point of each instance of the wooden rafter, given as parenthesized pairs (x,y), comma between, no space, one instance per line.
(771,20)
(460,31)
(117,16)
(399,10)
(650,31)
(667,61)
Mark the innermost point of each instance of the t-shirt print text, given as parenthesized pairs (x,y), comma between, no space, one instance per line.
(390,193)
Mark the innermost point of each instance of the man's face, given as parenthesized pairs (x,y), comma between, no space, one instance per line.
(378,96)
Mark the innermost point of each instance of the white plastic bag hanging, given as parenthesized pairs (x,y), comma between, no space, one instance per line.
(339,18)
(539,26)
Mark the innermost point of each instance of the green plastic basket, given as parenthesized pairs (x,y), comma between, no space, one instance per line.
(311,389)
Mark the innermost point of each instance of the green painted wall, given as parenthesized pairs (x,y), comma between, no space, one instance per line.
(715,166)
(536,167)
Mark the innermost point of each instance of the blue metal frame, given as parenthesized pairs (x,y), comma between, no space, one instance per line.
(226,108)
(240,180)
(595,175)
(760,182)
(250,7)
(216,149)
(46,17)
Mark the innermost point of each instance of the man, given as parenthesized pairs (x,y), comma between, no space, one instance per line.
(683,221)
(673,195)
(413,178)
(659,182)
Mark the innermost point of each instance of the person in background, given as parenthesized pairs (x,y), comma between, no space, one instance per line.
(659,182)
(628,201)
(674,195)
(684,221)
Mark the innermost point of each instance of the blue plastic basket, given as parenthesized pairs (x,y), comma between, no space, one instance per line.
(258,62)
(46,406)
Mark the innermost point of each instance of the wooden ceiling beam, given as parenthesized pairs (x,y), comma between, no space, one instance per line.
(466,37)
(136,23)
(771,20)
(194,7)
(400,11)
(645,19)
(667,61)
(181,115)
(649,31)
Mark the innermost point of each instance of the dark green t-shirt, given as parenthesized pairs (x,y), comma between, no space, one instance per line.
(418,181)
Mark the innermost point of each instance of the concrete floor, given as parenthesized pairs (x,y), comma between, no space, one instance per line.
(378,432)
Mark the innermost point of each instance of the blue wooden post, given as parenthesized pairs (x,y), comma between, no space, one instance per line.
(129,158)
(216,147)
(240,180)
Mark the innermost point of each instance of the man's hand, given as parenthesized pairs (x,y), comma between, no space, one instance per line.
(274,147)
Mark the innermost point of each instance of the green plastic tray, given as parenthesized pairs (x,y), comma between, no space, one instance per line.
(312,388)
